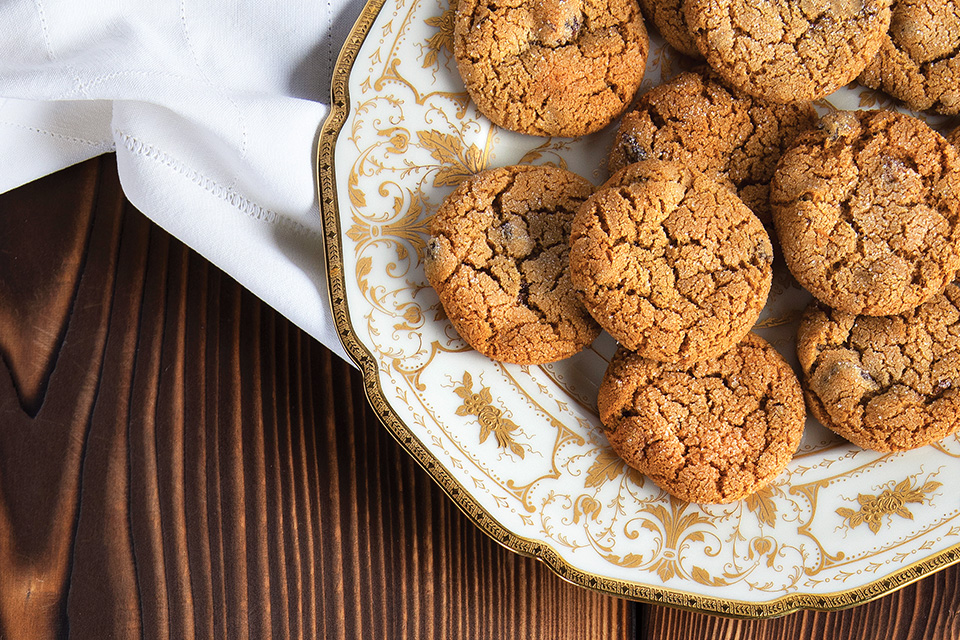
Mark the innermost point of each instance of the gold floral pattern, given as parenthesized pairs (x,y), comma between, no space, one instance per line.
(875,509)
(491,419)
(763,504)
(873,99)
(609,466)
(442,39)
(457,163)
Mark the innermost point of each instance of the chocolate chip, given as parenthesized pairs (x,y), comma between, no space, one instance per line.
(524,294)
(632,149)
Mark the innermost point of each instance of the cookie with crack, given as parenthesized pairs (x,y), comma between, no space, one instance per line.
(785,50)
(867,211)
(671,22)
(498,259)
(673,265)
(551,67)
(712,433)
(698,120)
(919,60)
(887,383)
(953,137)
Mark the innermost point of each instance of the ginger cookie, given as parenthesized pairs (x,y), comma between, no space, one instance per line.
(919,59)
(670,263)
(953,137)
(713,433)
(785,50)
(498,259)
(697,120)
(886,383)
(551,67)
(866,209)
(671,22)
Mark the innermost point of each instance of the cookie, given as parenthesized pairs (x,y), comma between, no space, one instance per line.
(919,60)
(866,209)
(498,259)
(728,135)
(785,50)
(670,263)
(887,383)
(953,137)
(668,17)
(550,67)
(713,433)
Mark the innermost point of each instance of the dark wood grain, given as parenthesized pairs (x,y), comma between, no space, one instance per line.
(178,461)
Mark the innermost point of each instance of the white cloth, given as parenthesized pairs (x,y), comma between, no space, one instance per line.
(213,108)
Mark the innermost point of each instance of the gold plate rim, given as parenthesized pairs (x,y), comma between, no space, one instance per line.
(365,361)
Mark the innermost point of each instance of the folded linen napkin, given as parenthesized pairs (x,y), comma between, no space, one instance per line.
(213,108)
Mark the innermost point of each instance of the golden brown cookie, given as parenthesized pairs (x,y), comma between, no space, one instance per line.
(953,137)
(728,135)
(867,209)
(785,50)
(670,263)
(713,433)
(668,17)
(886,383)
(550,67)
(498,259)
(919,59)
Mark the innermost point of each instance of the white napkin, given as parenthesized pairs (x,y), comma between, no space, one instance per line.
(213,108)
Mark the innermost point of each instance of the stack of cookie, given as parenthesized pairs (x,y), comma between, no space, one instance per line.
(785,51)
(673,255)
(700,121)
(530,263)
(864,203)
(677,268)
(867,209)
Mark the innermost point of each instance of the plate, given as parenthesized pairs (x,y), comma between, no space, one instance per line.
(519,448)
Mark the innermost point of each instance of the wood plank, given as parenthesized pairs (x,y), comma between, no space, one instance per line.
(178,461)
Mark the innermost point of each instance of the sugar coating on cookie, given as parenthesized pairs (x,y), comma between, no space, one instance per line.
(886,383)
(785,50)
(953,137)
(919,59)
(867,208)
(670,263)
(498,259)
(550,67)
(713,433)
(697,120)
(671,22)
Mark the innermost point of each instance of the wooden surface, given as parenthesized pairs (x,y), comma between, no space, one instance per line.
(179,461)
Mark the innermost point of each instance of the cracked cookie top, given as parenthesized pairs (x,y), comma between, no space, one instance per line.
(670,263)
(886,383)
(867,210)
(953,137)
(697,120)
(713,433)
(785,50)
(550,67)
(919,59)
(498,259)
(668,17)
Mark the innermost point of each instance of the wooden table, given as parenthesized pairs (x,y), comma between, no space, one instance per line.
(179,461)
